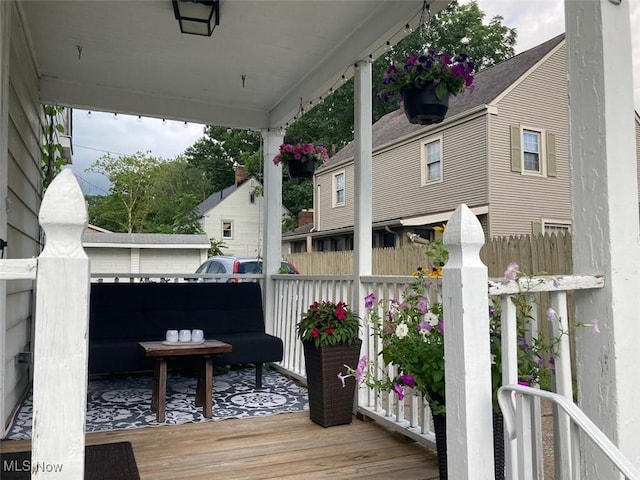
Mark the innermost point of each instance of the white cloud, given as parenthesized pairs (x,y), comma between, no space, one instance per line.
(99,133)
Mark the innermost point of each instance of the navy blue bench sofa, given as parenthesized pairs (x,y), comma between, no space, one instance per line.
(123,314)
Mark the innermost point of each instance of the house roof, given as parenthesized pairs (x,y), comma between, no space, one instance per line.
(215,198)
(151,240)
(489,84)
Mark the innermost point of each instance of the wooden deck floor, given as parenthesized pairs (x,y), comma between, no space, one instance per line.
(286,446)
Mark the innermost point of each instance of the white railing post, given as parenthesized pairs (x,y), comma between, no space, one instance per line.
(61,335)
(467,354)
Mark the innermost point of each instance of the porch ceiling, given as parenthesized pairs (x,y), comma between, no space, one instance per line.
(134,59)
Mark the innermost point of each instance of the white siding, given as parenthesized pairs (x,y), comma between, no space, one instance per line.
(539,101)
(24,195)
(246,218)
(169,261)
(109,260)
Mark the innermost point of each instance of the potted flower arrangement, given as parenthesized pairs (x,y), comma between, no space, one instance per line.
(412,334)
(330,336)
(301,158)
(425,82)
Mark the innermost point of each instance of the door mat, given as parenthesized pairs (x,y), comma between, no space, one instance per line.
(107,461)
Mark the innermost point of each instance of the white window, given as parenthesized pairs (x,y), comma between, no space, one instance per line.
(556,226)
(531,151)
(338,189)
(432,161)
(227,229)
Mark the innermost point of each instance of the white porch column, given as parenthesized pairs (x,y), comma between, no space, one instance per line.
(61,335)
(272,218)
(5,35)
(605,222)
(467,354)
(363,181)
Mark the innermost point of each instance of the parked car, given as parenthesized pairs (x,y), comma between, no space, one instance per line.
(229,265)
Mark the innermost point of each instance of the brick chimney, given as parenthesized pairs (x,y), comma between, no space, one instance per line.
(241,174)
(305,217)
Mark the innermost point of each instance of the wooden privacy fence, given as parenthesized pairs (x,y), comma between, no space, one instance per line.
(540,254)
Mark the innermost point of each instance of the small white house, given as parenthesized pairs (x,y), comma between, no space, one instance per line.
(235,215)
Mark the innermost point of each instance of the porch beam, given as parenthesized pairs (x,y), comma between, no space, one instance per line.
(272,222)
(363,174)
(605,222)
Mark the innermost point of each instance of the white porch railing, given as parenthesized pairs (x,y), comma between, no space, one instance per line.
(412,416)
(518,422)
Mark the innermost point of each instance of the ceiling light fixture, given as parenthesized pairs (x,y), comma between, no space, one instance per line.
(197,17)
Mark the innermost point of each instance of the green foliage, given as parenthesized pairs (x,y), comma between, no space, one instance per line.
(216,247)
(329,323)
(147,195)
(297,194)
(52,160)
(332,123)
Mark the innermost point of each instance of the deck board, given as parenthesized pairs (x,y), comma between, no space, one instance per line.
(286,446)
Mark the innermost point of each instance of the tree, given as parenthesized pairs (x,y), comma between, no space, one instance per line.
(455,29)
(147,195)
(217,151)
(130,178)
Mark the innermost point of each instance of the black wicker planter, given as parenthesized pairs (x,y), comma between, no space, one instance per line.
(300,169)
(329,402)
(423,107)
(440,429)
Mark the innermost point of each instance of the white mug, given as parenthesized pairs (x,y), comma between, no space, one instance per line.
(172,336)
(185,335)
(197,335)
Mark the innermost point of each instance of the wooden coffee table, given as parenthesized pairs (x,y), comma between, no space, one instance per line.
(204,391)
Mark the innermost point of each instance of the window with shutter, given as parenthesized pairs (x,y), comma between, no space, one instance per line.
(533,151)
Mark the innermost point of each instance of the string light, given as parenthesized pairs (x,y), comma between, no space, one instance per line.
(185,125)
(164,122)
(139,118)
(89,114)
(386,47)
(115,116)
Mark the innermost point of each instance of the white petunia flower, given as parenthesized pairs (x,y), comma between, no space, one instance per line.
(402,330)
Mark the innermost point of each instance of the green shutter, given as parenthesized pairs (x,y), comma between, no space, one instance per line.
(516,149)
(551,154)
(536,227)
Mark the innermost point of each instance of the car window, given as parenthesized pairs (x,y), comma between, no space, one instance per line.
(216,267)
(203,268)
(250,267)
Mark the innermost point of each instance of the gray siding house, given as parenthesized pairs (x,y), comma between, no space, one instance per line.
(502,149)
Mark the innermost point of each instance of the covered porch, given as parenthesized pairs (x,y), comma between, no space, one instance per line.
(78,58)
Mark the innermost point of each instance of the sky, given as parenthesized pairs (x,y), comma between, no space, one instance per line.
(99,133)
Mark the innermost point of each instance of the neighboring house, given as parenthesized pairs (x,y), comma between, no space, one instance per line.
(144,252)
(503,150)
(235,215)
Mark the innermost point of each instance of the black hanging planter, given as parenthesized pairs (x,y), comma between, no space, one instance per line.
(299,169)
(440,429)
(423,107)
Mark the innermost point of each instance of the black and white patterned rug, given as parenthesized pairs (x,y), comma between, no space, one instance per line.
(117,403)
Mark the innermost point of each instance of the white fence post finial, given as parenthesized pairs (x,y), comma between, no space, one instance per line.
(61,335)
(467,353)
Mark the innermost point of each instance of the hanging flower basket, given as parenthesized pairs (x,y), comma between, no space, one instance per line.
(301,169)
(301,158)
(423,107)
